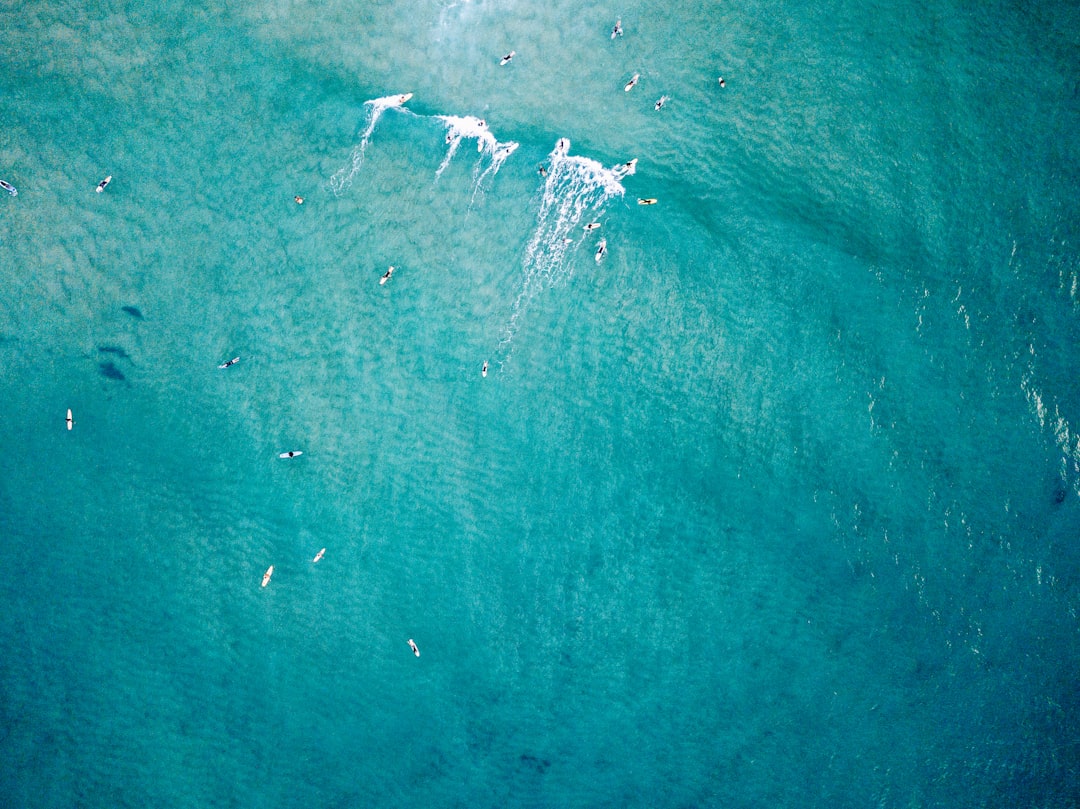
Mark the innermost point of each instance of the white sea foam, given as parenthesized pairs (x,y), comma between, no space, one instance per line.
(493,153)
(459,128)
(574,186)
(342,179)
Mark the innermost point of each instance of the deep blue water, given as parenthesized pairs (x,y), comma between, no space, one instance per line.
(774,505)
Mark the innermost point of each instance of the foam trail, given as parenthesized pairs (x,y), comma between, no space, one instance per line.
(342,179)
(574,186)
(459,128)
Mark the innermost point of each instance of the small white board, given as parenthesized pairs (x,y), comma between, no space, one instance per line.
(229,363)
(104,184)
(266,576)
(632,83)
(412,645)
(292,453)
(70,420)
(319,556)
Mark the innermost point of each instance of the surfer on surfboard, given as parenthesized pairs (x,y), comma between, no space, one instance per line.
(412,645)
(483,370)
(9,188)
(508,57)
(617,30)
(591,226)
(386,276)
(660,102)
(70,421)
(229,363)
(318,556)
(101,186)
(632,83)
(292,453)
(649,201)
(266,576)
(601,251)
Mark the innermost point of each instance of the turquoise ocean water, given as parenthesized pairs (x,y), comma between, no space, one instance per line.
(775,505)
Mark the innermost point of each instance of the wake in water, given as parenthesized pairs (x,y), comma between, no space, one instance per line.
(460,128)
(574,186)
(377,106)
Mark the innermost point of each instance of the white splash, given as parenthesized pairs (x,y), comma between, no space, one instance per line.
(574,187)
(459,128)
(342,179)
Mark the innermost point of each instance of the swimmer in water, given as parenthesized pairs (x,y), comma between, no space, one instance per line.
(483,370)
(617,30)
(508,57)
(298,200)
(661,102)
(386,276)
(412,645)
(543,172)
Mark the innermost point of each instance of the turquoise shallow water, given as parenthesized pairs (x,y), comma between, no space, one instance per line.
(774,505)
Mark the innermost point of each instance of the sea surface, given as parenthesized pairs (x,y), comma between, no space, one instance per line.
(776,504)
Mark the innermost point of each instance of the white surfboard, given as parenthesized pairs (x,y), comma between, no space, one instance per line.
(229,363)
(292,453)
(412,645)
(102,185)
(601,251)
(483,370)
(386,276)
(630,84)
(508,57)
(401,99)
(70,421)
(319,556)
(648,201)
(266,576)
